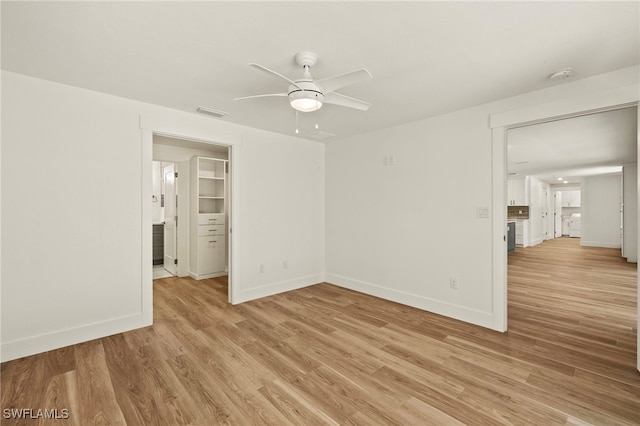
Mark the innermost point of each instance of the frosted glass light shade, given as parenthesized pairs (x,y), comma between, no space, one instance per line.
(306,105)
(306,101)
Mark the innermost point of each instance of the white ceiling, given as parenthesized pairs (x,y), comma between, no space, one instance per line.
(427,58)
(576,147)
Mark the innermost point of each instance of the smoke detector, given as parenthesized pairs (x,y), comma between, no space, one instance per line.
(561,74)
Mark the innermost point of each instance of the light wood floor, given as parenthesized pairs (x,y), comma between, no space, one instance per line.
(325,355)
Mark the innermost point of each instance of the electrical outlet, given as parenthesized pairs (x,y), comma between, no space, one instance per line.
(261,268)
(285,264)
(453,283)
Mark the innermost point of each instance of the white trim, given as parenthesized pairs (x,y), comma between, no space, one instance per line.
(535,242)
(205,276)
(58,339)
(199,130)
(499,224)
(234,229)
(146,281)
(484,319)
(279,287)
(620,97)
(599,244)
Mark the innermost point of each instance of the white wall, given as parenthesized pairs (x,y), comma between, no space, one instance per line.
(600,209)
(72,227)
(630,197)
(402,231)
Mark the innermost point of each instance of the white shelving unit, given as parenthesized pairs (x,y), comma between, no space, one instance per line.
(208,218)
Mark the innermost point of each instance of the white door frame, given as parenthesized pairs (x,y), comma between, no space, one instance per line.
(201,130)
(620,97)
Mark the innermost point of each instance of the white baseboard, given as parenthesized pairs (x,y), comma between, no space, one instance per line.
(536,242)
(599,244)
(58,339)
(278,287)
(484,319)
(205,276)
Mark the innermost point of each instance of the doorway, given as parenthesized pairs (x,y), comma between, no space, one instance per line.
(500,123)
(185,189)
(164,208)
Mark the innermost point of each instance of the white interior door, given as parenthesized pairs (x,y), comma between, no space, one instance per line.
(170,218)
(557,211)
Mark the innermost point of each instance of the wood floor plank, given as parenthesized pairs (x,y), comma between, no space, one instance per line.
(97,402)
(324,355)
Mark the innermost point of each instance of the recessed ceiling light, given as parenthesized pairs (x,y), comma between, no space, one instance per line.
(559,178)
(565,181)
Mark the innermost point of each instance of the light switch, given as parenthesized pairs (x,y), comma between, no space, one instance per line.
(482,212)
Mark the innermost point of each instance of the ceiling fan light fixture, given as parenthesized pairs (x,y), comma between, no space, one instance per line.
(306,101)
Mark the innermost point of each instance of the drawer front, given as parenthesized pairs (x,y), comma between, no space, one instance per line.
(211,219)
(211,254)
(211,230)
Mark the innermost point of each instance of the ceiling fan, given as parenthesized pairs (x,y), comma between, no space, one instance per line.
(306,94)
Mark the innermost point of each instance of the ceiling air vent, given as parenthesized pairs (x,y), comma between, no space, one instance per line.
(212,112)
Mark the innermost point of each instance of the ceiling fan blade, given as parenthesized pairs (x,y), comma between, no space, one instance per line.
(262,96)
(345,101)
(336,82)
(267,70)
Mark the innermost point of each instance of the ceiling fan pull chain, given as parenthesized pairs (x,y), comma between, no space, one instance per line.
(297,131)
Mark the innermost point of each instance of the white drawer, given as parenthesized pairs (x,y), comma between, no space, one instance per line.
(211,254)
(211,230)
(211,219)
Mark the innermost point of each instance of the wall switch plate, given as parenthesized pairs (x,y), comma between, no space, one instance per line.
(482,212)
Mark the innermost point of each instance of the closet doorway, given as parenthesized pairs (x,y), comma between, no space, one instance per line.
(181,190)
(164,210)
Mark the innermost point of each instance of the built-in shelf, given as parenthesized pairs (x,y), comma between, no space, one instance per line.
(208,229)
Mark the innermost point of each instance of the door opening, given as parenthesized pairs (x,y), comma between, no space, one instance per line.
(194,181)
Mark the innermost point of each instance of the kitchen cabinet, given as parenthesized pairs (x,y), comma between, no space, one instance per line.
(571,198)
(522,233)
(518,191)
(511,237)
(208,236)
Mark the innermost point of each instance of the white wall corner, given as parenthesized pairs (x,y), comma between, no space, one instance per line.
(277,287)
(483,319)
